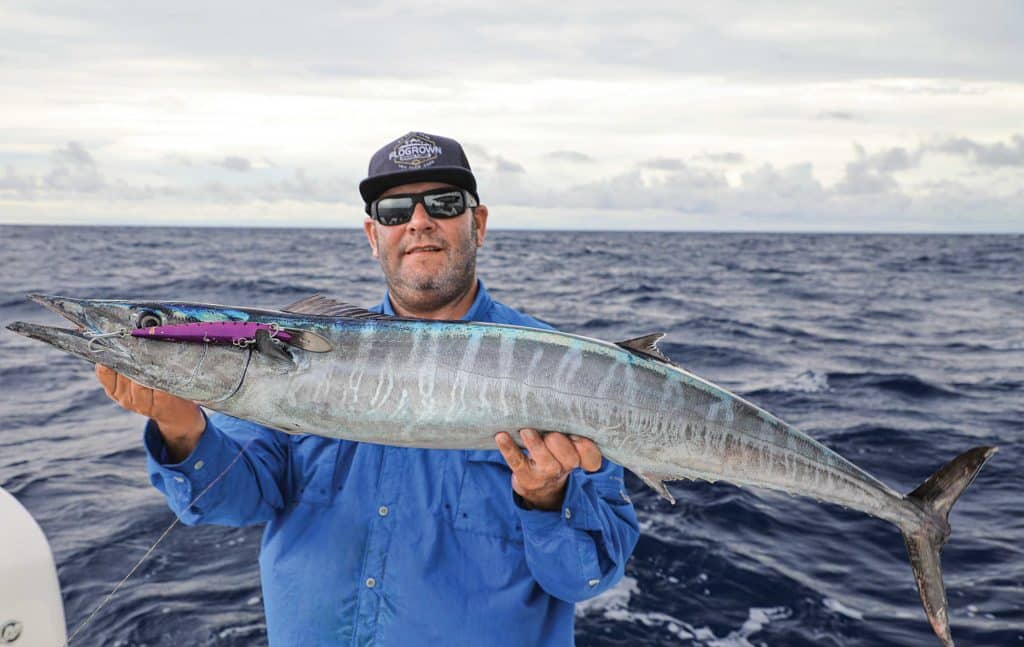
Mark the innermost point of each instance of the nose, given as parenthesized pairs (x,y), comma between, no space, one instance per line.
(420,220)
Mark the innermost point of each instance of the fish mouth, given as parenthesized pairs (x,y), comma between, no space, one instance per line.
(84,340)
(75,342)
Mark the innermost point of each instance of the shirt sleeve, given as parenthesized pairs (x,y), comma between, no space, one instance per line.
(235,476)
(581,550)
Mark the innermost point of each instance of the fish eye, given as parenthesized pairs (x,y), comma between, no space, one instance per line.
(149,319)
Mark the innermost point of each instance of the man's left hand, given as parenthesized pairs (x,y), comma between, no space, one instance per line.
(540,478)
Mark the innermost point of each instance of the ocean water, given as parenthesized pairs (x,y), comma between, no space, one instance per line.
(897,351)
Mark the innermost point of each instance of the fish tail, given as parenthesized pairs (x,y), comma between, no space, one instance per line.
(929,529)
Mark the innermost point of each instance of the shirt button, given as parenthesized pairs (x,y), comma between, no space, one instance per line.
(199,465)
(593,582)
(568,513)
(370,582)
(382,511)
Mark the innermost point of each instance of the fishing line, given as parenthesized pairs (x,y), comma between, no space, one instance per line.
(149,552)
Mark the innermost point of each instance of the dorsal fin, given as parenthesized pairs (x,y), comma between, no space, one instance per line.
(646,346)
(323,306)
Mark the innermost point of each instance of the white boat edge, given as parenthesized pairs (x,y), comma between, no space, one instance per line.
(31,608)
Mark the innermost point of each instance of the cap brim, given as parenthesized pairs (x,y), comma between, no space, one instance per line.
(372,187)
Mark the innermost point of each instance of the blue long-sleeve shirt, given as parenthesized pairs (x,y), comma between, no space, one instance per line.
(372,545)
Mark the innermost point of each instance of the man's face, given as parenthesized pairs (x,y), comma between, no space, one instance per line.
(428,262)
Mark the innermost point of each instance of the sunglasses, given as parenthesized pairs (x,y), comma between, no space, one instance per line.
(439,203)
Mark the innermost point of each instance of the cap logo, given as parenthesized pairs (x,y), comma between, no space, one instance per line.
(414,151)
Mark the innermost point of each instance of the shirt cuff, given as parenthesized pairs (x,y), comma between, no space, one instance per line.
(576,510)
(183,481)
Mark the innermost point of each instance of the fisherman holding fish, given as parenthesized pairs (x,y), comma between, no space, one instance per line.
(367,543)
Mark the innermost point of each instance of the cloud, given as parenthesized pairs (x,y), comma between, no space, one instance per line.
(663,164)
(74,170)
(861,179)
(868,196)
(236,163)
(177,159)
(870,174)
(996,154)
(837,115)
(684,188)
(502,165)
(726,157)
(74,173)
(20,185)
(484,160)
(575,157)
(788,40)
(873,173)
(73,154)
(770,197)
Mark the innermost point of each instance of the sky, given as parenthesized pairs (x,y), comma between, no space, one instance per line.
(788,116)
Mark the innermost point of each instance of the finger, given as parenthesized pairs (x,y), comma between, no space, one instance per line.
(510,452)
(540,456)
(142,400)
(122,389)
(563,450)
(590,453)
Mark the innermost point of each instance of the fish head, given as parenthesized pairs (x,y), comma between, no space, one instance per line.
(194,371)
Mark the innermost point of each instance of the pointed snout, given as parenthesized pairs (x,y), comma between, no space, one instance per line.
(74,310)
(69,341)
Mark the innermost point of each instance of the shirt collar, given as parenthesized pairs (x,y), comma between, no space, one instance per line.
(477,312)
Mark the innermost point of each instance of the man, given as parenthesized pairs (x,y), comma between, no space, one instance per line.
(367,544)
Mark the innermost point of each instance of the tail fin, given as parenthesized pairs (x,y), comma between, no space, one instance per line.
(924,541)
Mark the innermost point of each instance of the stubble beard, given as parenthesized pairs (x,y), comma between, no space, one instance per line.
(427,292)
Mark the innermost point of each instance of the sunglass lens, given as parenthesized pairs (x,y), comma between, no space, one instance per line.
(395,211)
(445,205)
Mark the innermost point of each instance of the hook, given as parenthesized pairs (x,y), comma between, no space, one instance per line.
(95,337)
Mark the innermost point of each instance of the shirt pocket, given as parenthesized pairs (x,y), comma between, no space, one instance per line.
(313,469)
(485,504)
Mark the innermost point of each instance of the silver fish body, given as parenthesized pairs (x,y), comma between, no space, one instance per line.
(453,385)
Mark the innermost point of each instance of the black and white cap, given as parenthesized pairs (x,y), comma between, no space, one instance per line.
(417,157)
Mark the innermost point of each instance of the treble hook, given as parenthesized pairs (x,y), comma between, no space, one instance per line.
(95,337)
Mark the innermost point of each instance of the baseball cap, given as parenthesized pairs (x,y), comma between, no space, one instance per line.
(417,157)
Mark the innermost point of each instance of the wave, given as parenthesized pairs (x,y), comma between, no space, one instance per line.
(901,384)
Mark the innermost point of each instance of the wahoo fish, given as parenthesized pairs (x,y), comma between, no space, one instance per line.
(323,367)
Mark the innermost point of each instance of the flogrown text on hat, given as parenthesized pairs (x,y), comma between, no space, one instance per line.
(417,157)
(415,150)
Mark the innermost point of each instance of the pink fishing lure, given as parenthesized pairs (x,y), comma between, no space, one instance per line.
(212,332)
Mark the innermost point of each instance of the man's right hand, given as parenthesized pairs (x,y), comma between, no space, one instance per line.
(180,421)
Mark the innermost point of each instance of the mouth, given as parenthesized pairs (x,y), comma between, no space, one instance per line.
(82,340)
(423,249)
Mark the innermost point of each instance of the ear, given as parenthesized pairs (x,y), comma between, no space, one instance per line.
(480,217)
(369,226)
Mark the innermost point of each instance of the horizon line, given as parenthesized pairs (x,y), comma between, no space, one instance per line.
(814,232)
